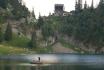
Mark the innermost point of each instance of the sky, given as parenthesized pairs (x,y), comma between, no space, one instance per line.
(44,7)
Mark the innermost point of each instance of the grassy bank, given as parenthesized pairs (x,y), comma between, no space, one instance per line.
(12,50)
(18,41)
(19,45)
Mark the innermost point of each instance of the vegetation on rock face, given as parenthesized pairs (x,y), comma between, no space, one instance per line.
(13,10)
(18,10)
(86,25)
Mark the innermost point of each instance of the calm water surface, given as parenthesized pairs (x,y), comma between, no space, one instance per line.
(95,62)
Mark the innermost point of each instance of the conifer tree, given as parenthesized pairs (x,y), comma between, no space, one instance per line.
(8,33)
(40,22)
(3,3)
(1,35)
(33,43)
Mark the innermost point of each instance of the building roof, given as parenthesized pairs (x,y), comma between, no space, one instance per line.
(59,4)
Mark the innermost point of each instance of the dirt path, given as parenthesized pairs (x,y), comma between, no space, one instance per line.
(59,48)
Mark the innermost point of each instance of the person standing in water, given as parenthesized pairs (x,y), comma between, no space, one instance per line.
(39,59)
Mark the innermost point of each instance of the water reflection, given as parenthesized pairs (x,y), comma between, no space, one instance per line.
(53,67)
(26,66)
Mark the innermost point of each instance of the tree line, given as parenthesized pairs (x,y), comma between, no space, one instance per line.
(86,26)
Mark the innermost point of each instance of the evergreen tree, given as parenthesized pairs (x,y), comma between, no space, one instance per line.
(19,10)
(3,4)
(40,22)
(33,43)
(47,30)
(8,33)
(1,35)
(33,14)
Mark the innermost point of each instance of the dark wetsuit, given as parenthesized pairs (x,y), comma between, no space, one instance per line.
(39,59)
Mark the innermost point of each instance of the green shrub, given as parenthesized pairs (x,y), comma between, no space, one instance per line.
(19,41)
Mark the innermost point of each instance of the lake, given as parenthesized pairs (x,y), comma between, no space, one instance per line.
(64,62)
